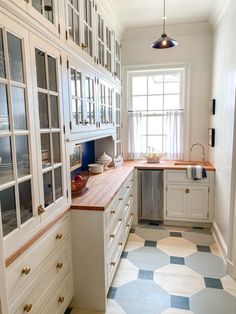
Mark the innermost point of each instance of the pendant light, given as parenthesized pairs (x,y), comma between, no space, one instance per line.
(164,41)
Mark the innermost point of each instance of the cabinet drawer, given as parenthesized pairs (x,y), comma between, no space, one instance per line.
(37,290)
(113,209)
(60,298)
(113,232)
(181,176)
(26,267)
(127,227)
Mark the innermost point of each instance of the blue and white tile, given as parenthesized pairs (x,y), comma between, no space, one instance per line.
(175,246)
(206,264)
(134,242)
(229,285)
(152,234)
(179,280)
(199,238)
(176,311)
(126,273)
(114,308)
(148,258)
(212,301)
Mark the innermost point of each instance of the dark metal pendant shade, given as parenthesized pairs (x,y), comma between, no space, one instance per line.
(164,41)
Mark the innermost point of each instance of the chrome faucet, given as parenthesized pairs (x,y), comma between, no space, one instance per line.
(203,151)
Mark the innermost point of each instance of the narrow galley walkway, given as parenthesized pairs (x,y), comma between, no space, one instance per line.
(171,270)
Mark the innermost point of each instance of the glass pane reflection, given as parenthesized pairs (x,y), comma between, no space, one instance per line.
(46,150)
(56,148)
(15,58)
(25,195)
(6,167)
(58,183)
(52,73)
(8,210)
(43,110)
(22,155)
(54,112)
(4,114)
(2,57)
(47,184)
(41,68)
(18,104)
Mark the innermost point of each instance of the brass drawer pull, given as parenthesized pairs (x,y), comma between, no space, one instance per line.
(120,243)
(41,210)
(26,270)
(113,263)
(113,212)
(84,46)
(61,300)
(59,236)
(27,308)
(59,265)
(112,236)
(121,199)
(128,225)
(120,219)
(187,191)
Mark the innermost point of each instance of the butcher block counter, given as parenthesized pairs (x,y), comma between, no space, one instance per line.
(103,187)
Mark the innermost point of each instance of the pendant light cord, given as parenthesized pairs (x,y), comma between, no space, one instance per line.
(164,18)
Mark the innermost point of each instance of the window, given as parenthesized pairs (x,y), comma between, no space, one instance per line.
(156,101)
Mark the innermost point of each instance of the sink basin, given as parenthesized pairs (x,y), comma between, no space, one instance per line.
(188,163)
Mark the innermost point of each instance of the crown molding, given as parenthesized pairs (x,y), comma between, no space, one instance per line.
(218,12)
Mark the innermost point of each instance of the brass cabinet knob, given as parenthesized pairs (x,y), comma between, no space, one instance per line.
(26,270)
(120,243)
(115,73)
(112,236)
(131,214)
(187,191)
(113,212)
(121,199)
(61,299)
(113,263)
(84,46)
(120,219)
(59,236)
(128,225)
(27,308)
(59,265)
(41,209)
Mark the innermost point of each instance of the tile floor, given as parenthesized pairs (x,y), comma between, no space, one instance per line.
(171,271)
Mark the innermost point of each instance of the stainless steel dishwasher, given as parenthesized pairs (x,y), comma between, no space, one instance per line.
(150,195)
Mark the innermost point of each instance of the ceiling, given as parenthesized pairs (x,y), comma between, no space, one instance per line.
(142,13)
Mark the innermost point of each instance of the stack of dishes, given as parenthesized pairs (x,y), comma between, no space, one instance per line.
(95,168)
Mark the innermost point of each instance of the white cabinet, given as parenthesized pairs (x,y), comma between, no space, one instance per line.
(98,239)
(186,199)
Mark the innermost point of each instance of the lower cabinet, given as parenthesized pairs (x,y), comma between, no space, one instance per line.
(98,239)
(40,280)
(186,199)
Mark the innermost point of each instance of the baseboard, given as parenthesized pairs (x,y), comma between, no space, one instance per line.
(220,241)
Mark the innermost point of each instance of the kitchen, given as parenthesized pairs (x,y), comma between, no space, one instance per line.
(57,90)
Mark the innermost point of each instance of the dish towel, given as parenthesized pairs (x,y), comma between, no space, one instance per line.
(196,172)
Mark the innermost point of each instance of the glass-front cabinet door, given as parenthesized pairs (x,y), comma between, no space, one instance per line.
(50,135)
(88,13)
(74,21)
(105,104)
(117,72)
(118,150)
(17,175)
(108,64)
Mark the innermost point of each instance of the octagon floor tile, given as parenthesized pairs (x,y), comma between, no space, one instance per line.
(176,311)
(206,264)
(142,296)
(114,308)
(152,234)
(148,258)
(126,273)
(212,301)
(229,285)
(134,242)
(177,247)
(179,280)
(199,238)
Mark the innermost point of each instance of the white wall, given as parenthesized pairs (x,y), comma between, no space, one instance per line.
(195,48)
(223,89)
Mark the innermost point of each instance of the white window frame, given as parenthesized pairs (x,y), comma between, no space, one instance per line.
(129,71)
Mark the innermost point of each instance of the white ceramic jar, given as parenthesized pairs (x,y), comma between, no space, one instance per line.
(104,160)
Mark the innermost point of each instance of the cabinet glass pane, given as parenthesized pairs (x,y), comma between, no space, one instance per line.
(6,167)
(37,4)
(47,185)
(74,111)
(22,155)
(8,210)
(58,183)
(54,112)
(4,114)
(56,148)
(73,81)
(41,68)
(80,111)
(43,110)
(15,58)
(48,10)
(18,106)
(78,84)
(76,28)
(25,197)
(70,18)
(46,150)
(2,61)
(52,74)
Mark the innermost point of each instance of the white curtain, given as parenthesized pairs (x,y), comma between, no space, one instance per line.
(135,150)
(174,132)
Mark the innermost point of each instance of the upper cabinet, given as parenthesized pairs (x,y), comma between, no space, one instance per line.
(117,60)
(105,104)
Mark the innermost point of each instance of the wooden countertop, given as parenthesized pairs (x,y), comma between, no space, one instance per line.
(103,187)
(166,164)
